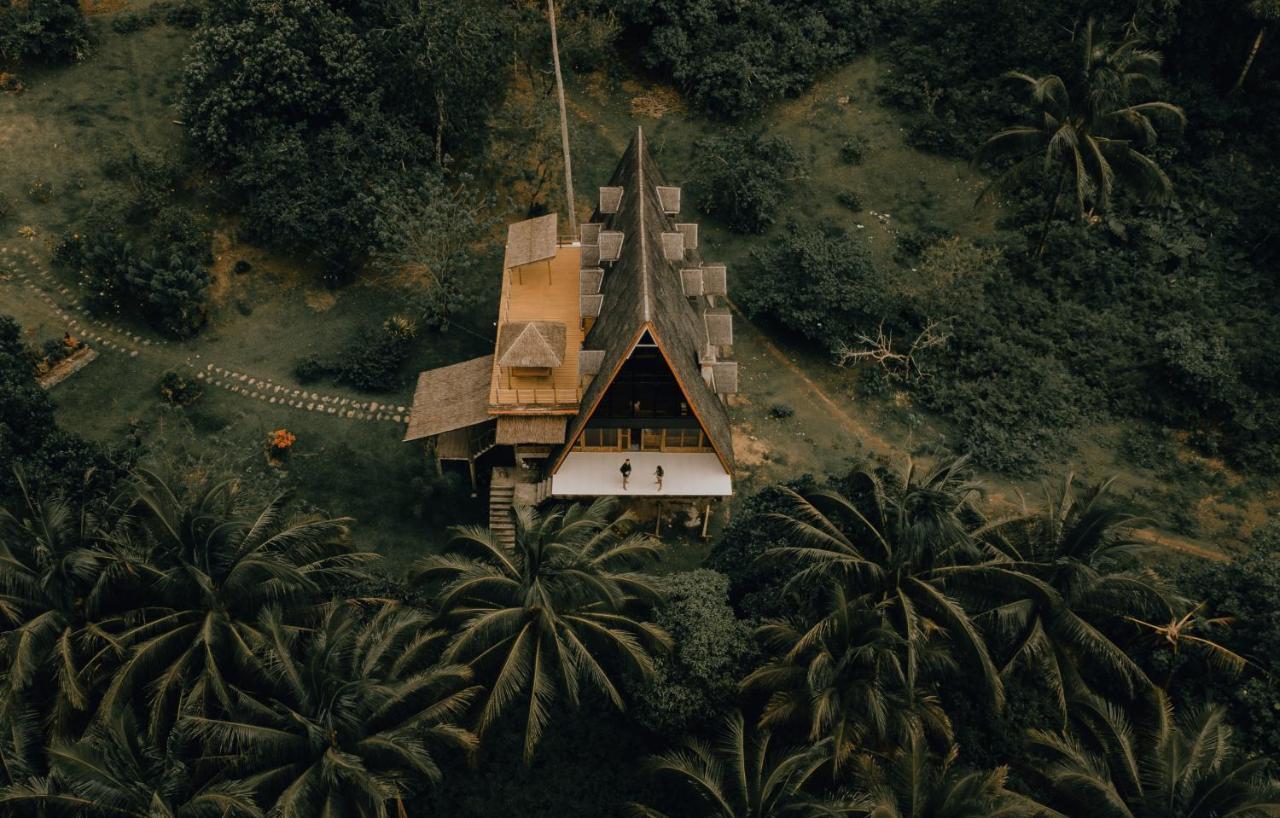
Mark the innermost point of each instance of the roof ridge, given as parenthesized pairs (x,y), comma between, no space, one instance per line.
(644,237)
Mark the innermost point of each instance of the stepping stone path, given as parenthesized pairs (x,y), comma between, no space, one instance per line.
(28,270)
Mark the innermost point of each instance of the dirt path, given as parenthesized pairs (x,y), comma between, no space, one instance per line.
(30,276)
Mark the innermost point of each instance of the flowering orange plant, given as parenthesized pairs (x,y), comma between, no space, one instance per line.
(282,439)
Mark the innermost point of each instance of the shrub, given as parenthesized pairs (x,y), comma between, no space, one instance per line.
(781,411)
(374,361)
(742,176)
(179,390)
(699,681)
(152,178)
(46,31)
(850,199)
(310,368)
(853,150)
(733,58)
(40,191)
(817,281)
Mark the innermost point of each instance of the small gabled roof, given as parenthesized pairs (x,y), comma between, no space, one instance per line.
(532,344)
(531,240)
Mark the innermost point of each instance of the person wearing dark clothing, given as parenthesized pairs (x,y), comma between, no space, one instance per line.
(657,477)
(626,472)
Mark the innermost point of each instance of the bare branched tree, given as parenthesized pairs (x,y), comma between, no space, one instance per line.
(897,362)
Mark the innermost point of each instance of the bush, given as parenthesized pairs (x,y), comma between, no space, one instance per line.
(819,282)
(44,31)
(310,368)
(781,411)
(699,681)
(742,177)
(853,150)
(850,199)
(165,280)
(733,58)
(152,178)
(1245,591)
(179,390)
(317,114)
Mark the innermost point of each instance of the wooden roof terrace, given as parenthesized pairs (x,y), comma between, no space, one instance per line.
(546,290)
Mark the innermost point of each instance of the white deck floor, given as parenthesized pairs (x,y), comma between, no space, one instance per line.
(685,475)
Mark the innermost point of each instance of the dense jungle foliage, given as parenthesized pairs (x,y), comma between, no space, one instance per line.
(178,642)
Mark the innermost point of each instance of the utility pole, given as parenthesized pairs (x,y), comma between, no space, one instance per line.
(564,122)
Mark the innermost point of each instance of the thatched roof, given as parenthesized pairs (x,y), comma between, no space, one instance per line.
(590,279)
(589,361)
(611,245)
(673,246)
(670,198)
(451,397)
(542,429)
(691,278)
(531,344)
(690,233)
(719,326)
(531,240)
(644,292)
(715,279)
(610,198)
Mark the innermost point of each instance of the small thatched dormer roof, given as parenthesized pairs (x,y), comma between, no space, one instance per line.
(531,344)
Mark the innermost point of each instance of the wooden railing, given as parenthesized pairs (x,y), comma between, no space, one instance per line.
(545,396)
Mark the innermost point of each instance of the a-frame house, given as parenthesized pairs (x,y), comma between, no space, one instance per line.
(615,345)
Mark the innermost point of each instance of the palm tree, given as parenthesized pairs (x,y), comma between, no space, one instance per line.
(60,587)
(890,547)
(1088,133)
(218,571)
(115,773)
(742,776)
(1178,767)
(917,784)
(540,622)
(1265,12)
(1063,590)
(851,680)
(349,717)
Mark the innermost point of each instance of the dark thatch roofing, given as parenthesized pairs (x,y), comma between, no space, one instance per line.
(451,397)
(643,290)
(534,344)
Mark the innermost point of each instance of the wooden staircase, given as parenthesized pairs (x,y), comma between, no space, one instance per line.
(502,521)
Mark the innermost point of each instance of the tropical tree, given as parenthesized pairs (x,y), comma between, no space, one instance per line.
(113,771)
(218,572)
(1063,590)
(1265,12)
(890,546)
(1176,767)
(561,611)
(917,784)
(61,587)
(1088,134)
(851,680)
(743,776)
(349,717)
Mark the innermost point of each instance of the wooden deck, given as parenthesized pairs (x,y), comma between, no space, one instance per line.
(543,291)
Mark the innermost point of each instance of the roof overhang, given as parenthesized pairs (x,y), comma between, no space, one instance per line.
(451,397)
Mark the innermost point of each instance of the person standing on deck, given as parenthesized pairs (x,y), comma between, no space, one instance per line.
(626,472)
(657,477)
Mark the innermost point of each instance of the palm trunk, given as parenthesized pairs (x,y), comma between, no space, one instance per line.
(564,122)
(1248,63)
(1048,217)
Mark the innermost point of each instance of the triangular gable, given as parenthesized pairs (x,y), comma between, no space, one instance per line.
(647,333)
